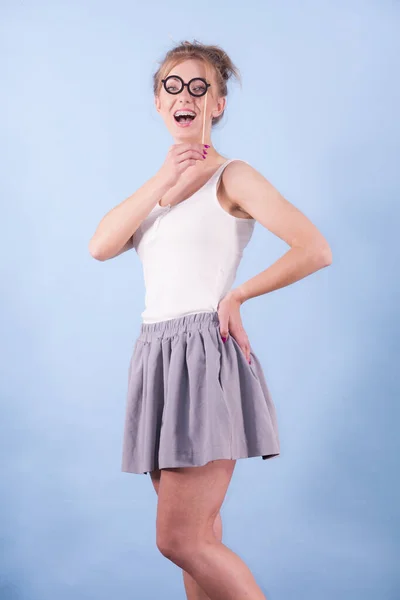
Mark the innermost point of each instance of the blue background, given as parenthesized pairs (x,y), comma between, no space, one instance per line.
(317,115)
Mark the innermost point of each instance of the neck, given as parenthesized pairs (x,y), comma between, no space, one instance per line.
(194,139)
(211,152)
(212,158)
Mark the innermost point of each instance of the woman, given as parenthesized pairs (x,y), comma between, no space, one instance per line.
(197,395)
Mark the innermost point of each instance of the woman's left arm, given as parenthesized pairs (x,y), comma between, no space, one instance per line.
(309,251)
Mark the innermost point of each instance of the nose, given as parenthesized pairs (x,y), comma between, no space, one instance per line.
(184,93)
(185,101)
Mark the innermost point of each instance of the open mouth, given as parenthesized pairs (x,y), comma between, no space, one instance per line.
(184,118)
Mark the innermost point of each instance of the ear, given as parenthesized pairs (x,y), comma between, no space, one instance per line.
(220,107)
(157,103)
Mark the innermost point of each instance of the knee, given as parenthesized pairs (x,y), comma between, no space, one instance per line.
(217,527)
(172,545)
(177,542)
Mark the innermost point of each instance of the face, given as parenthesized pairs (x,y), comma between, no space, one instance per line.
(167,104)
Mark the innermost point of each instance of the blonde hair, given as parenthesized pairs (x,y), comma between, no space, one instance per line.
(212,56)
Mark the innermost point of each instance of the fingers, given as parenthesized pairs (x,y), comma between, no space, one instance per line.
(190,155)
(179,148)
(244,346)
(223,327)
(179,158)
(189,151)
(247,354)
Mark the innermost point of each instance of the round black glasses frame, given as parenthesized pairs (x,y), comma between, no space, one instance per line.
(164,81)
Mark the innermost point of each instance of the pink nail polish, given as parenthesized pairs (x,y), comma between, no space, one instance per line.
(223,339)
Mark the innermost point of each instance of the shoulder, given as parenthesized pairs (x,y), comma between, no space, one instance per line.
(236,180)
(238,172)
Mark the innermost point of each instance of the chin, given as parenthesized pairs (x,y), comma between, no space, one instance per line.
(186,135)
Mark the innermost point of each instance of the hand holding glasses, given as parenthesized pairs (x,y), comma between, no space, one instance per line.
(197,87)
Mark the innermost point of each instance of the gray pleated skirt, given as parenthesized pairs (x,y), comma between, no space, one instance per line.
(193,398)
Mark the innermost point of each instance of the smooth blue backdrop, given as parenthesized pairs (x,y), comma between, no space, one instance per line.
(318,115)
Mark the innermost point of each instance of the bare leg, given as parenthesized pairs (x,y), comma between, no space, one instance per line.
(193,590)
(189,498)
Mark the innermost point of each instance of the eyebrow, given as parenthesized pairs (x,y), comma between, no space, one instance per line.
(175,75)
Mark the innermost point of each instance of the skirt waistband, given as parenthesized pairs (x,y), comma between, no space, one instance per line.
(171,327)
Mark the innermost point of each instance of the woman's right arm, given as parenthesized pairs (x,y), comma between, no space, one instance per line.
(114,232)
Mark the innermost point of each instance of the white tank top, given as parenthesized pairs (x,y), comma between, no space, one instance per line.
(190,253)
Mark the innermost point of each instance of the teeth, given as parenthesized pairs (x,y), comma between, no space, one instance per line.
(185,112)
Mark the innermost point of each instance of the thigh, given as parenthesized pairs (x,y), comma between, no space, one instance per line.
(155,476)
(189,499)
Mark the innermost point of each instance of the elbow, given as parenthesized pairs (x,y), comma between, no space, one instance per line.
(319,254)
(96,251)
(327,256)
(324,256)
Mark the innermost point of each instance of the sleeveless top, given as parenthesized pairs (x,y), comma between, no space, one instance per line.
(190,253)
